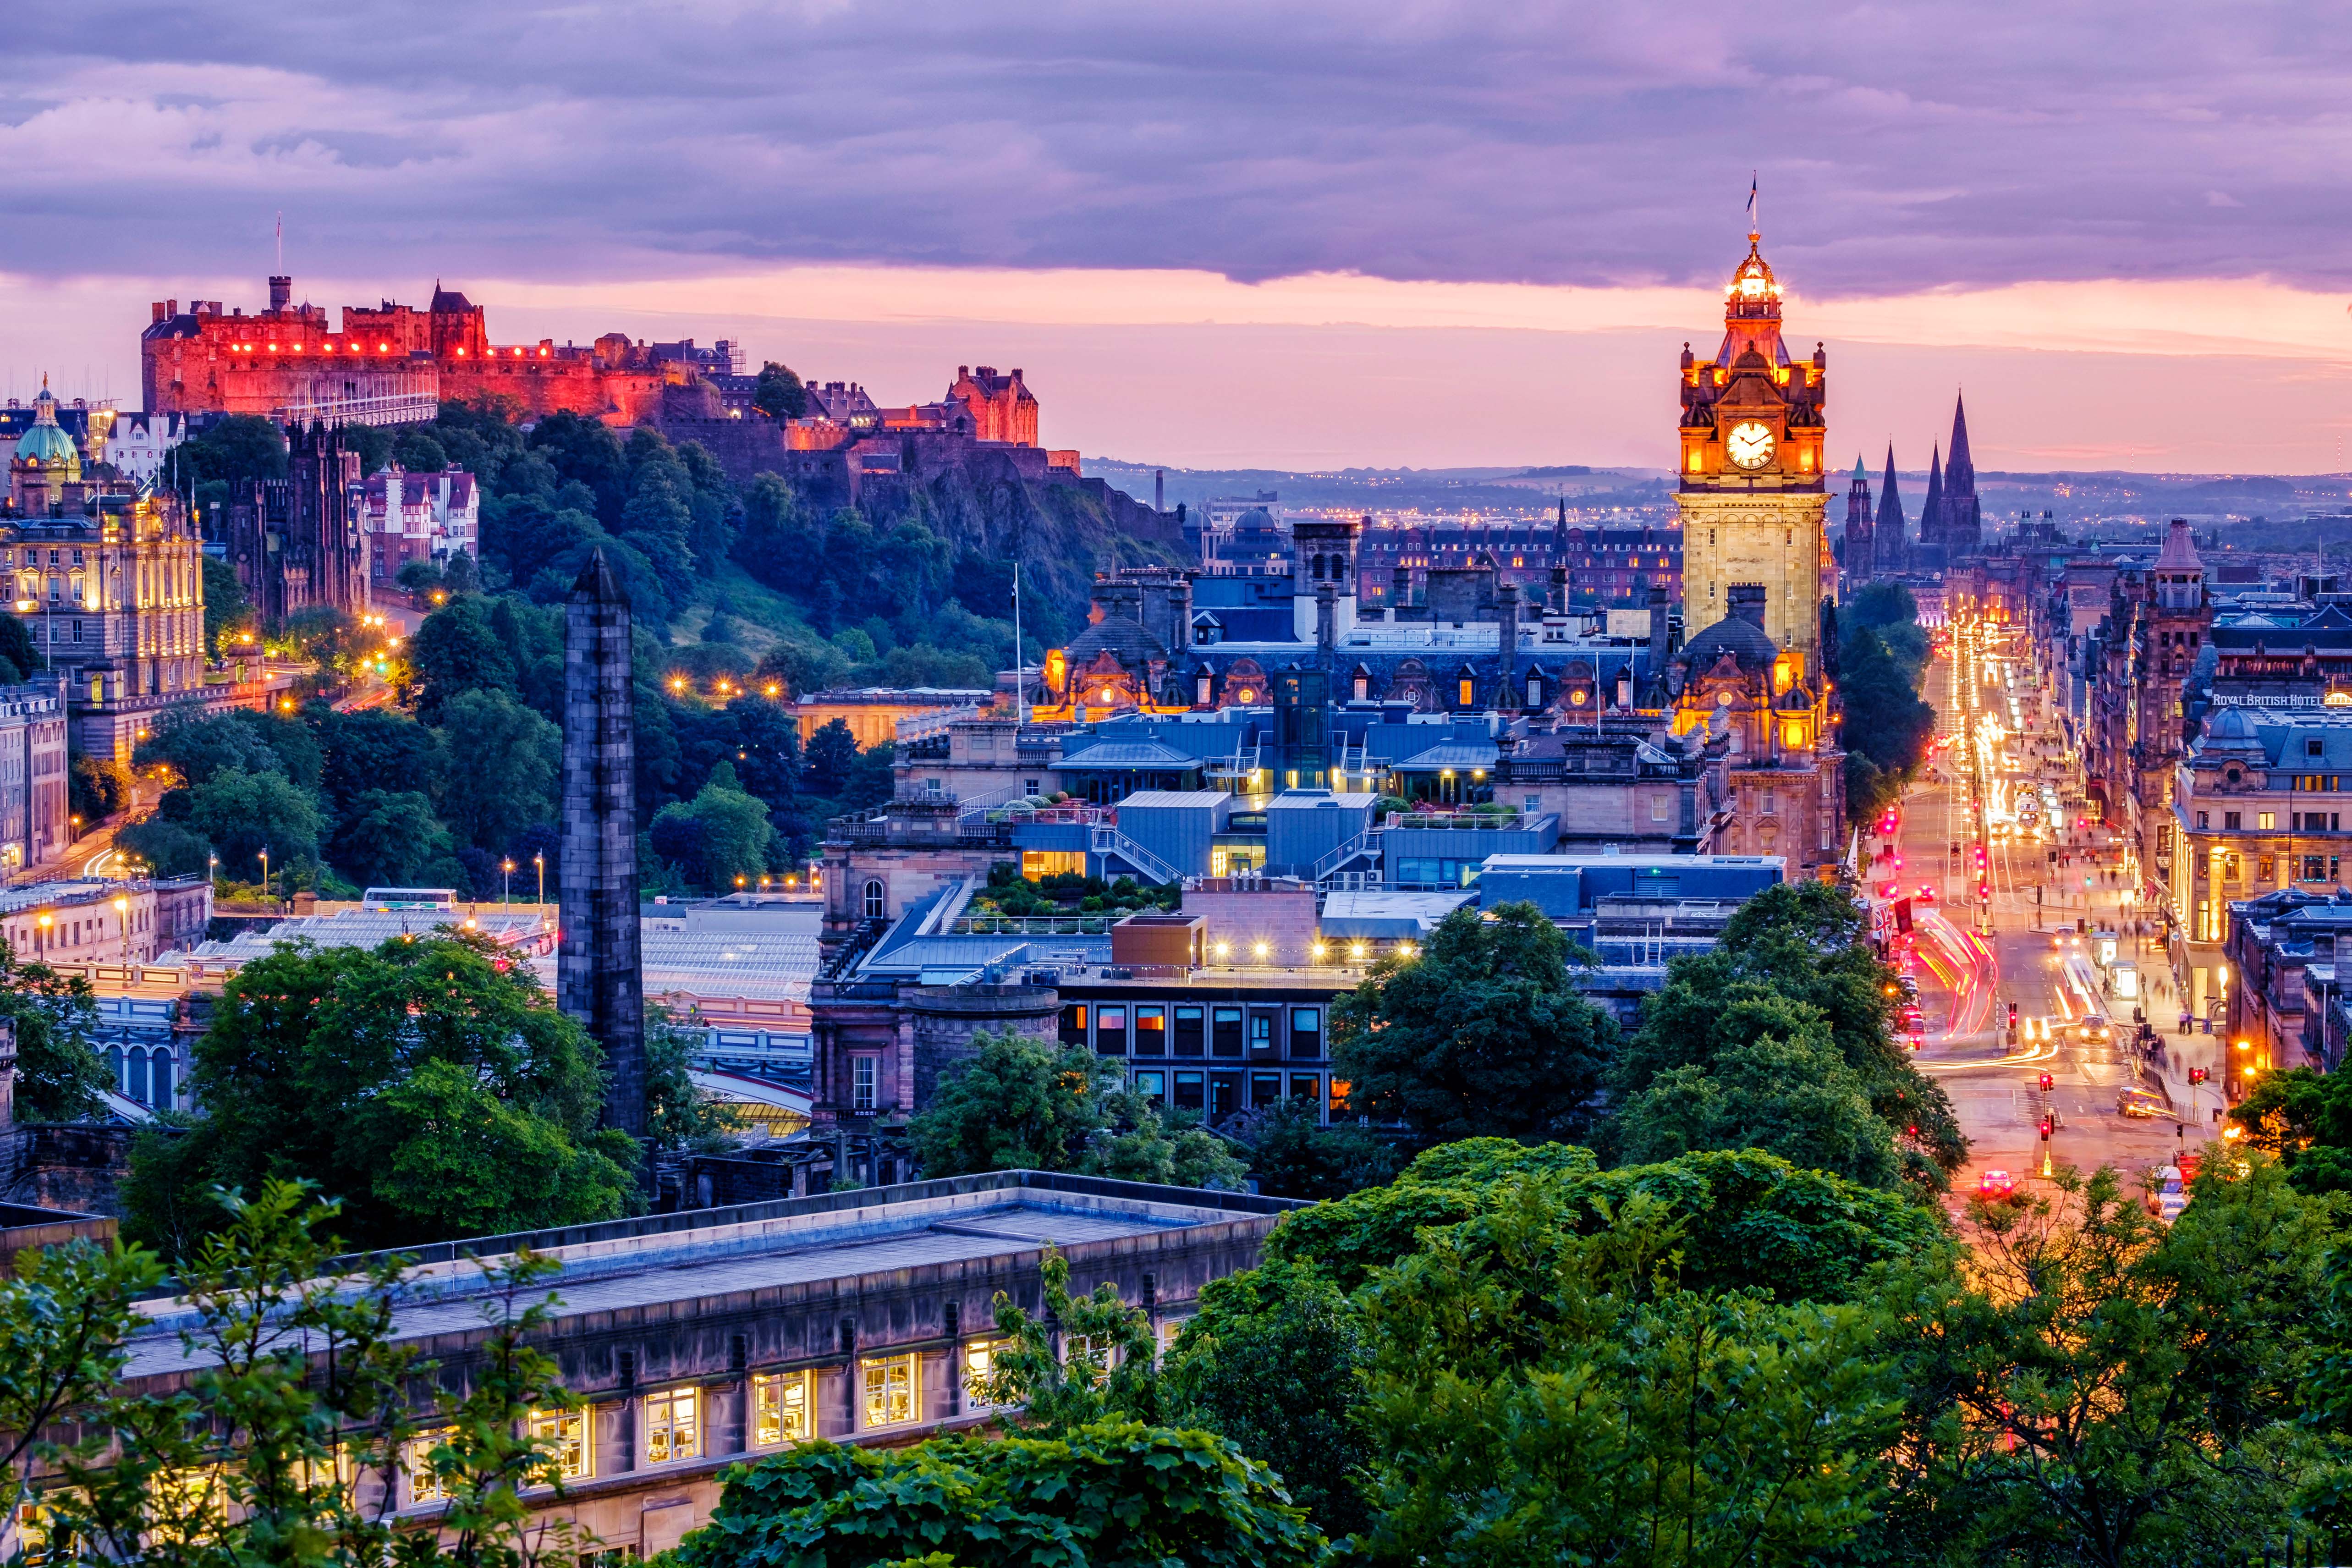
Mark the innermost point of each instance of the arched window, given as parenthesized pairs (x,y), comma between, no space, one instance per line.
(873,899)
(114,1067)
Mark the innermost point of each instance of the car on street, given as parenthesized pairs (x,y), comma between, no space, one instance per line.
(1996,1184)
(2137,1102)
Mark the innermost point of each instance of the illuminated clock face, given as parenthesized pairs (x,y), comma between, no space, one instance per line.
(1749,443)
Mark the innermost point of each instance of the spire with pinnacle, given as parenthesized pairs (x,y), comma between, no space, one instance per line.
(1960,474)
(1931,511)
(1890,539)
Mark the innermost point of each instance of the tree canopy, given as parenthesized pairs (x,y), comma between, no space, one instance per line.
(1481,1033)
(1020,1104)
(429,1084)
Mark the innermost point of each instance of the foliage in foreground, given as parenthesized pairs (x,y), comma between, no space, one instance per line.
(1114,1492)
(289,1444)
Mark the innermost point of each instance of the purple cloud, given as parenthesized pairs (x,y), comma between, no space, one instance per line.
(1901,146)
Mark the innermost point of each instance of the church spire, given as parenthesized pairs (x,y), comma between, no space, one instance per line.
(1960,474)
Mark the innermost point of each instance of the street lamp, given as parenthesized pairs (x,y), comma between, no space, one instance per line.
(122,918)
(265,872)
(539,859)
(42,942)
(506,881)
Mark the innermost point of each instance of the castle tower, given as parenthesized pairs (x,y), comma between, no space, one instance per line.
(1963,519)
(598,979)
(1860,552)
(1890,536)
(1753,497)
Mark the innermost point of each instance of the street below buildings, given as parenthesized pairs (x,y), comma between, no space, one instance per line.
(2022,909)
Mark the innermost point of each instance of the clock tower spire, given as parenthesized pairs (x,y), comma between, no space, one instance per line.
(1752,493)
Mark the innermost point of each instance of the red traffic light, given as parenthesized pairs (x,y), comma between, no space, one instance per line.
(2199,1075)
(2047,1082)
(2045,1129)
(2012,1014)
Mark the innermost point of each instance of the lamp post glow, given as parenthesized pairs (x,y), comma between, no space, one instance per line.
(506,881)
(264,873)
(539,859)
(122,918)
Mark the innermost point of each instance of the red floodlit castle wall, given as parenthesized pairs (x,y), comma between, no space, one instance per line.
(206,361)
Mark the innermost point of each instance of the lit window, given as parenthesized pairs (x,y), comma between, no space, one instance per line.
(979,1366)
(425,1484)
(563,1434)
(887,1384)
(673,1427)
(780,1409)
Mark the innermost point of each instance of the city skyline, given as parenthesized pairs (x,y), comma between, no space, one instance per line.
(1497,223)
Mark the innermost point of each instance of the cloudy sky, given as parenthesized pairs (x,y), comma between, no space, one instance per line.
(1221,233)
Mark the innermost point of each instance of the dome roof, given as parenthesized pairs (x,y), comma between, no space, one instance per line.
(2232,729)
(1749,644)
(45,443)
(1128,643)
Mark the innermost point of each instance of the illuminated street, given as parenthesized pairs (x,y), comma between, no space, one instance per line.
(2002,930)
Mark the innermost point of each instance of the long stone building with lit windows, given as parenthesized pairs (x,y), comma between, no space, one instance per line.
(699,1340)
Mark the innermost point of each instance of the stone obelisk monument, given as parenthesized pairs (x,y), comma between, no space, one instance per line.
(598,980)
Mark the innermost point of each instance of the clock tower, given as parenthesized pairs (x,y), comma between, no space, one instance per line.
(1753,494)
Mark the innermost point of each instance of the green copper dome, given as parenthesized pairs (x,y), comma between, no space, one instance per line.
(44,443)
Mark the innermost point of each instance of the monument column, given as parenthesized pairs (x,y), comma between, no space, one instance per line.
(597,974)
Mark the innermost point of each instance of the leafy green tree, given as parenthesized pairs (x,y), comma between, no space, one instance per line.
(721,838)
(778,393)
(505,765)
(455,651)
(238,450)
(430,1084)
(832,753)
(1885,719)
(1751,1221)
(17,647)
(231,622)
(1793,962)
(59,1074)
(372,749)
(2303,1119)
(1779,1084)
(165,848)
(270,1429)
(1084,1359)
(1272,1359)
(1143,1143)
(196,746)
(1292,1157)
(1881,605)
(1538,1395)
(1016,1104)
(2099,1388)
(241,814)
(1482,1034)
(95,788)
(1119,1492)
(416,450)
(390,838)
